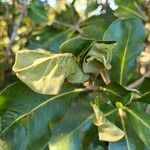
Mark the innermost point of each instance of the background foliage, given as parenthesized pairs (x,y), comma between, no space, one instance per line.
(30,120)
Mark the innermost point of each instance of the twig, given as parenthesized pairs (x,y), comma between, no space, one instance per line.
(74,27)
(14,33)
(140,80)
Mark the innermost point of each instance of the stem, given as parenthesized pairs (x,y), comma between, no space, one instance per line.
(140,80)
(74,27)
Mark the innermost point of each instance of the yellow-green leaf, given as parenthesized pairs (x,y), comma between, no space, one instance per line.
(4,146)
(107,131)
(45,72)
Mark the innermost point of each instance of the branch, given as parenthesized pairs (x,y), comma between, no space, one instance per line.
(14,33)
(74,27)
(140,80)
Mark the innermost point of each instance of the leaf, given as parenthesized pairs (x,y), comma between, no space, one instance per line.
(130,140)
(98,58)
(128,9)
(145,90)
(3,144)
(115,92)
(75,45)
(130,35)
(69,15)
(118,93)
(107,131)
(48,38)
(45,72)
(37,12)
(91,6)
(26,115)
(94,27)
(121,144)
(66,135)
(141,124)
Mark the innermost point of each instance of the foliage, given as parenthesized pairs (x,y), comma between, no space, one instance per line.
(76,71)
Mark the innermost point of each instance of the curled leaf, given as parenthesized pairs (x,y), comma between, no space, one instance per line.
(107,131)
(98,58)
(45,72)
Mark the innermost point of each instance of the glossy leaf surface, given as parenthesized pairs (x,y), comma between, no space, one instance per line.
(141,124)
(48,38)
(129,34)
(118,93)
(37,12)
(27,117)
(94,27)
(130,140)
(145,90)
(128,9)
(75,45)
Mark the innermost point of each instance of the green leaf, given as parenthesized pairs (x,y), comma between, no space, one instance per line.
(107,131)
(27,116)
(37,12)
(145,90)
(130,35)
(45,72)
(98,58)
(122,145)
(3,144)
(48,38)
(141,124)
(75,45)
(128,9)
(91,5)
(130,140)
(115,92)
(69,15)
(66,134)
(118,93)
(94,27)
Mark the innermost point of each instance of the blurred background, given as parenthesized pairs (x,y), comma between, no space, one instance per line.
(46,24)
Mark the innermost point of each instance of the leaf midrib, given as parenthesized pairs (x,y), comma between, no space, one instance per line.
(124,56)
(137,117)
(124,129)
(146,93)
(113,92)
(41,105)
(43,60)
